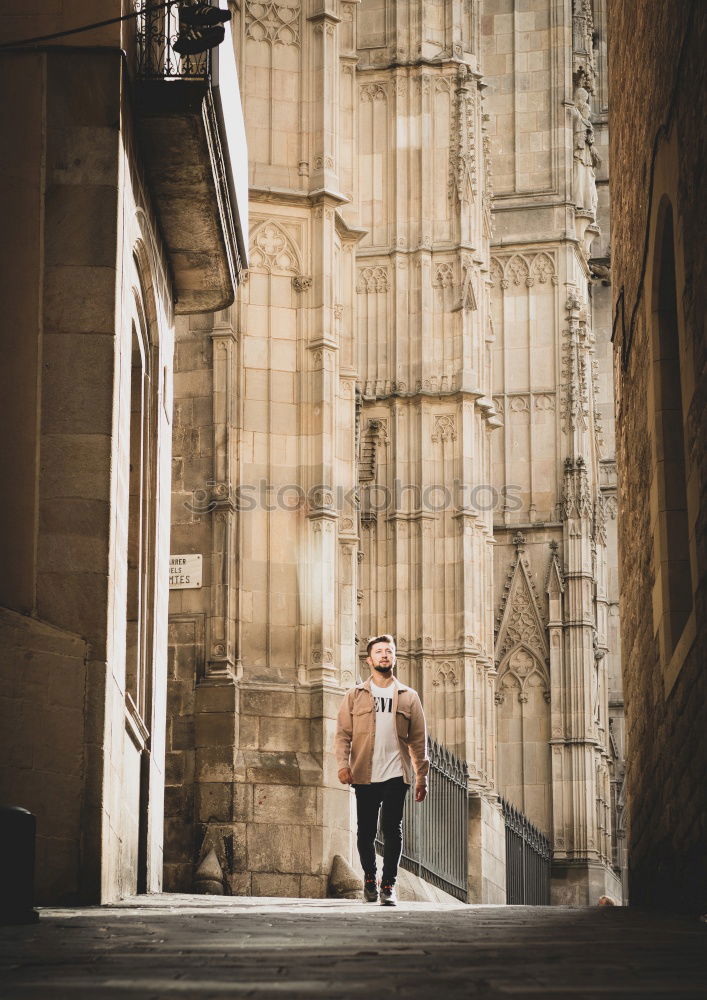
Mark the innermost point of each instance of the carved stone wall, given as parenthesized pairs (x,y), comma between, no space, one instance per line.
(412,360)
(553,458)
(268,480)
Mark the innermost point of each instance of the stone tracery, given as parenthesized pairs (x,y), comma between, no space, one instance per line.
(273,21)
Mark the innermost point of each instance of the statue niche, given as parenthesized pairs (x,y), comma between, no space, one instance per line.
(585,157)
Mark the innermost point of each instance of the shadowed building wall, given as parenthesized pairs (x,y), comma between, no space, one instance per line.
(660,296)
(87,294)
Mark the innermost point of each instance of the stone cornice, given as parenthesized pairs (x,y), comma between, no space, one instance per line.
(459,394)
(293,196)
(423,63)
(324,15)
(439,248)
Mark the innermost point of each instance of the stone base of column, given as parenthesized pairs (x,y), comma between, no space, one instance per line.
(583,883)
(294,815)
(487,851)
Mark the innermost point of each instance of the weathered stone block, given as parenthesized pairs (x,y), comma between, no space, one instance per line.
(215,729)
(310,769)
(276,885)
(214,764)
(213,802)
(216,697)
(283,848)
(313,886)
(334,807)
(178,877)
(242,802)
(284,734)
(74,463)
(278,803)
(69,308)
(249,732)
(178,839)
(240,883)
(268,703)
(182,733)
(81,224)
(178,800)
(271,768)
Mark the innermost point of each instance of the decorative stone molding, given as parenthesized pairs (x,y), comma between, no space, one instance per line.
(462,160)
(607,474)
(272,250)
(517,270)
(370,92)
(301,283)
(273,21)
(495,273)
(468,294)
(375,434)
(583,63)
(401,86)
(443,275)
(576,495)
(575,387)
(519,403)
(519,622)
(554,583)
(520,666)
(372,279)
(444,428)
(545,401)
(600,519)
(523,269)
(446,674)
(542,269)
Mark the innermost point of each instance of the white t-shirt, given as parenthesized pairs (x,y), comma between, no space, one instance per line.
(386,749)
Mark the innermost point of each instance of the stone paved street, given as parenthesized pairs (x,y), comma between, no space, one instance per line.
(203,947)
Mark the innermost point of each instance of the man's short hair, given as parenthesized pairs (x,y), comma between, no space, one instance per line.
(379,638)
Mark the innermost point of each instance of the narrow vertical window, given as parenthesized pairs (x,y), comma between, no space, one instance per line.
(134,679)
(673,577)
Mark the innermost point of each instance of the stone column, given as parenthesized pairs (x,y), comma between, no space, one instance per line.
(424,335)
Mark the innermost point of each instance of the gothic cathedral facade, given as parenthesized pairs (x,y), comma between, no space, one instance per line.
(404,424)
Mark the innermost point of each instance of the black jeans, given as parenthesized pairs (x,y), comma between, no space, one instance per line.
(369,799)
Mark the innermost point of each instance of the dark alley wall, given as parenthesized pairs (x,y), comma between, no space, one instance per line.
(657,85)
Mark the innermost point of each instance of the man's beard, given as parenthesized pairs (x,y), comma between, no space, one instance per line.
(384,669)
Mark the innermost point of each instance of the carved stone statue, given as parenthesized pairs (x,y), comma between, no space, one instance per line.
(586,158)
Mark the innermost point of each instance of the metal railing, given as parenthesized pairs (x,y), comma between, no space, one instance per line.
(435,832)
(157,31)
(528,857)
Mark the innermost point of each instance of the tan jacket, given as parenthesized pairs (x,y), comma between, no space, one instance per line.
(356,733)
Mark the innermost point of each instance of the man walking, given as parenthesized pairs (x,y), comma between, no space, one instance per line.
(381,742)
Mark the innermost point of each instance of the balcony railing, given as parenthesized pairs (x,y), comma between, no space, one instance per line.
(435,832)
(157,32)
(528,857)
